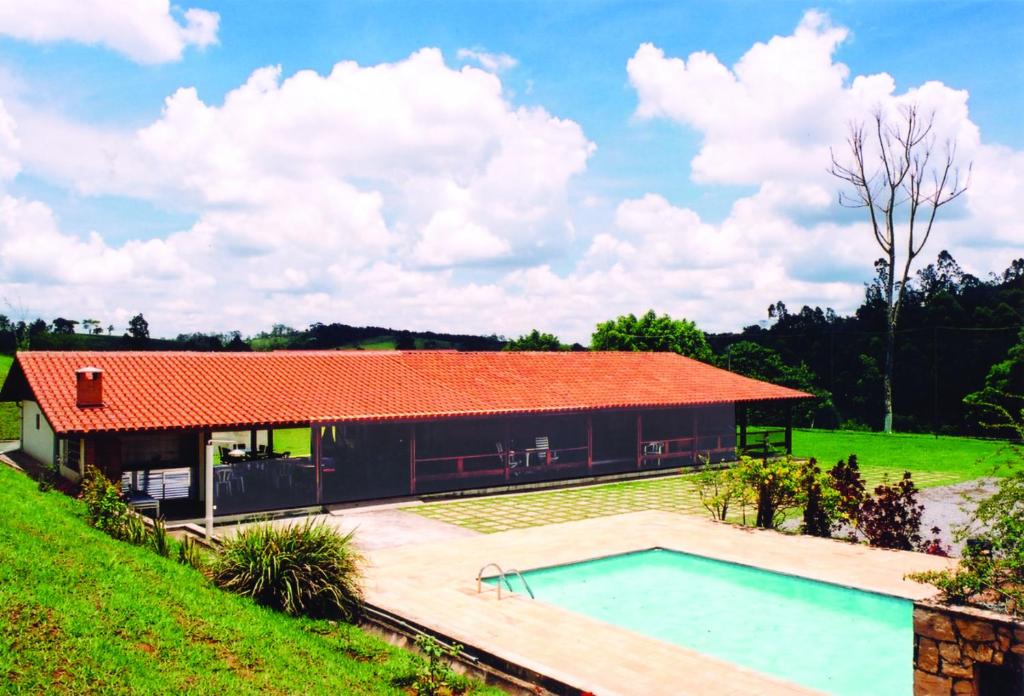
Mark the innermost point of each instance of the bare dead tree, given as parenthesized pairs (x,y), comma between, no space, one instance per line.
(893,170)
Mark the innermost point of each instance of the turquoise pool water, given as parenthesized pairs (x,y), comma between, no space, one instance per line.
(828,637)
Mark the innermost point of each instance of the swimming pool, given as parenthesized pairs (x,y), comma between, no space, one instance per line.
(828,637)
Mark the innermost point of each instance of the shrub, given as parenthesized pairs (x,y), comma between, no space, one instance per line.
(846,481)
(159,538)
(133,529)
(436,677)
(108,512)
(774,484)
(957,586)
(1002,515)
(819,499)
(892,518)
(189,553)
(717,489)
(307,569)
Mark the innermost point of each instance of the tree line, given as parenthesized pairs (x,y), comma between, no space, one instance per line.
(960,344)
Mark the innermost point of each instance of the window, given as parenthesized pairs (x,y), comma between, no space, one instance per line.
(37,421)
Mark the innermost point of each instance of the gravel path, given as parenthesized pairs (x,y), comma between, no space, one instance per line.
(948,507)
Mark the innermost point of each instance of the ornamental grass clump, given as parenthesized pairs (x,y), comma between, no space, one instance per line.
(304,569)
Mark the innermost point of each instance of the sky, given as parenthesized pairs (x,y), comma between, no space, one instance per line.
(484,167)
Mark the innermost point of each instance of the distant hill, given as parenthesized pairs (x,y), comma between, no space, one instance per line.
(327,336)
(317,337)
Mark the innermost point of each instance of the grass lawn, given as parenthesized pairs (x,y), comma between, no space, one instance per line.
(10,427)
(938,460)
(933,462)
(294,440)
(81,613)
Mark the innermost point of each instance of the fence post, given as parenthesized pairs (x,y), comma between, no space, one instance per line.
(743,427)
(789,429)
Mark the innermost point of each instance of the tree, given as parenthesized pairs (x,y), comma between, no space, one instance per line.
(759,362)
(889,169)
(110,330)
(1003,393)
(652,333)
(535,340)
(64,327)
(138,327)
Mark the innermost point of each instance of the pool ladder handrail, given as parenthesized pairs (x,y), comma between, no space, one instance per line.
(502,577)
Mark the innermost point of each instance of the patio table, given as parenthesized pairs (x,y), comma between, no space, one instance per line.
(141,501)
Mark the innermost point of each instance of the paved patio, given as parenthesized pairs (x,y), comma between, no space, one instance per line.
(377,527)
(433,584)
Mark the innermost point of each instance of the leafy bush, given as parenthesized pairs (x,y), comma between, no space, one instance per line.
(307,569)
(436,677)
(133,529)
(159,538)
(846,481)
(774,484)
(991,569)
(189,553)
(1002,515)
(892,518)
(819,499)
(957,586)
(717,490)
(107,511)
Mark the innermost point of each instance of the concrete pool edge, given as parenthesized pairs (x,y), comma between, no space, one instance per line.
(434,585)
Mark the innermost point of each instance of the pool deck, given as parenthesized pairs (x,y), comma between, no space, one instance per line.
(434,585)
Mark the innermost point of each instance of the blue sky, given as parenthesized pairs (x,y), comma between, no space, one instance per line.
(562,255)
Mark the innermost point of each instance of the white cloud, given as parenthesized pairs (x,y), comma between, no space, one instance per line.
(770,121)
(414,194)
(9,145)
(318,197)
(491,62)
(143,30)
(449,238)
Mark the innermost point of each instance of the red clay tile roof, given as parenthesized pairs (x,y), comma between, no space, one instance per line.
(157,390)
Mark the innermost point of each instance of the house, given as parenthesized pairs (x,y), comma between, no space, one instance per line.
(366,425)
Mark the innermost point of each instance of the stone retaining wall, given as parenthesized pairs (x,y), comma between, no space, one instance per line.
(955,648)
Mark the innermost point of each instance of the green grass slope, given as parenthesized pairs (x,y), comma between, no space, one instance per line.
(81,613)
(10,427)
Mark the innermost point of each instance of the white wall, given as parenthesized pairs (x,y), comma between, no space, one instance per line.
(37,442)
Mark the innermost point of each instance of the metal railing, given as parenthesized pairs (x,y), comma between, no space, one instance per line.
(764,442)
(502,577)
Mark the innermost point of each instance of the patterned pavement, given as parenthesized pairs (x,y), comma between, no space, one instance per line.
(675,493)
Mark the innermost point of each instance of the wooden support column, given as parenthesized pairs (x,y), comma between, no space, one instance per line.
(252,442)
(743,426)
(200,484)
(270,439)
(789,428)
(639,440)
(590,443)
(315,450)
(412,459)
(696,435)
(507,448)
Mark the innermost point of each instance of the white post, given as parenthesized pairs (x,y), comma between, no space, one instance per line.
(209,490)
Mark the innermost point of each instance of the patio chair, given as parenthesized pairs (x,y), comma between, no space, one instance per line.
(514,460)
(544,445)
(223,481)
